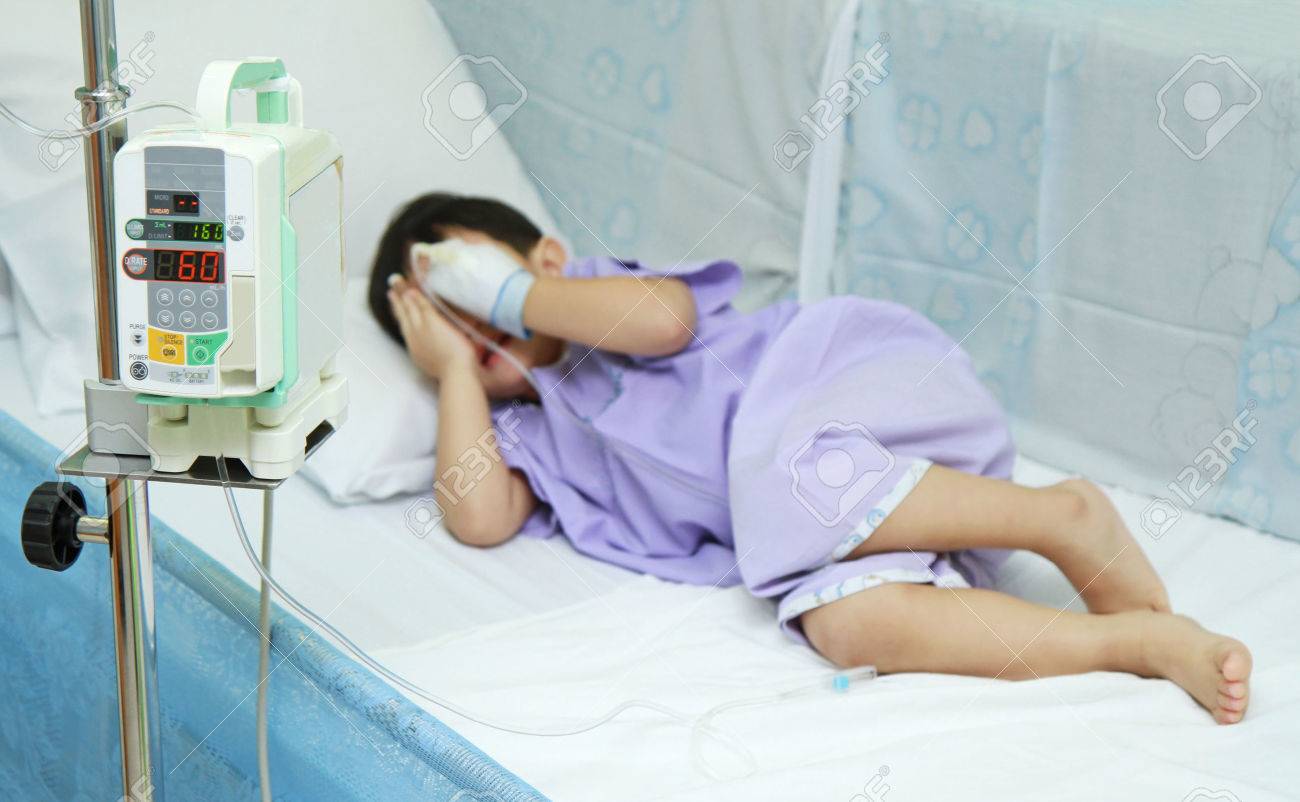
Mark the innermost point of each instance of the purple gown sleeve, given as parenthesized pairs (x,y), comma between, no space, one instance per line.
(518,427)
(713,283)
(550,451)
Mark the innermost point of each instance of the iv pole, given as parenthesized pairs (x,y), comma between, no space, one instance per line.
(55,525)
(129,545)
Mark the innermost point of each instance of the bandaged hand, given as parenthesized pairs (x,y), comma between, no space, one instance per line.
(480,279)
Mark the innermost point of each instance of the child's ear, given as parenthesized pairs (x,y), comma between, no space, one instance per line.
(549,256)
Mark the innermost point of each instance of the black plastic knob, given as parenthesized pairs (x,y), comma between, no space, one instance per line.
(50,525)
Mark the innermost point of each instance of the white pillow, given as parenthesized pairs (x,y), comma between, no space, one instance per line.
(386,445)
(363,68)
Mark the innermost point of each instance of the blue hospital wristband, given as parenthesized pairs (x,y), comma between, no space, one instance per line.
(508,309)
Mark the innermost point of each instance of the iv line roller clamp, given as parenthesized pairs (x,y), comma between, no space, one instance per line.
(217,264)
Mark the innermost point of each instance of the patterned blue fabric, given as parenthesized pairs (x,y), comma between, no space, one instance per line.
(1164,287)
(1016,140)
(569,84)
(649,125)
(337,731)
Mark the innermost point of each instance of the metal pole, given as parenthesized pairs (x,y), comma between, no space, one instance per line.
(130,547)
(131,564)
(99,96)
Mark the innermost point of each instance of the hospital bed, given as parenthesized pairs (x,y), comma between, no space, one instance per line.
(534,629)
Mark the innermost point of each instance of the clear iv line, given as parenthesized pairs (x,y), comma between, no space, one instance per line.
(77,132)
(264,655)
(701,726)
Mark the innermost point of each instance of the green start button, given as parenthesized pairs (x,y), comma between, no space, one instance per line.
(202,348)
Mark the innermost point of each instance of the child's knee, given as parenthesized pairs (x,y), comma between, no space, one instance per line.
(1080,502)
(867,628)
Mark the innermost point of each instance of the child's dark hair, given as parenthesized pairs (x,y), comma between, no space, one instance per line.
(427,219)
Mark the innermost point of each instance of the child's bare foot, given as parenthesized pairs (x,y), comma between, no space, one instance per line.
(1213,668)
(1099,556)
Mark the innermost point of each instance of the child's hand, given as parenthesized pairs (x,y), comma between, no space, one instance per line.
(433,342)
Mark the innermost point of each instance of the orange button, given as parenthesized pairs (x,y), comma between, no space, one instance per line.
(166,347)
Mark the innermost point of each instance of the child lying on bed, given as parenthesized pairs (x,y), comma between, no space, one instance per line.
(840,458)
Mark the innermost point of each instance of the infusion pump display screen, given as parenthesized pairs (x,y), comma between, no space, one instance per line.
(176,230)
(158,264)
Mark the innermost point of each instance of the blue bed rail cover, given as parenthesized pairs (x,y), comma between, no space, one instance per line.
(338,732)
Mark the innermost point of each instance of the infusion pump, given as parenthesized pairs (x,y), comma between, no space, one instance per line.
(229,290)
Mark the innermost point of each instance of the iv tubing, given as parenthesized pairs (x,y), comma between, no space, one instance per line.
(76,132)
(264,654)
(701,726)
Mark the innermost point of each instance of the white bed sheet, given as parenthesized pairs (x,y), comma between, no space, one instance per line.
(380,584)
(533,626)
(1098,736)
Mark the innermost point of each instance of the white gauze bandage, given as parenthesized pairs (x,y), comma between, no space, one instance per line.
(481,279)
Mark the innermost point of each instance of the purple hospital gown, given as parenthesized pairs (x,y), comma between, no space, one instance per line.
(762,453)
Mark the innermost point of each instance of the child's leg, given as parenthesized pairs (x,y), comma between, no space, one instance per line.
(1072,524)
(900,627)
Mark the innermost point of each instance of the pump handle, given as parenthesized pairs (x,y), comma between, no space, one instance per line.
(279,97)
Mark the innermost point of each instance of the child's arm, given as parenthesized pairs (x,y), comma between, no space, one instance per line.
(484,503)
(623,314)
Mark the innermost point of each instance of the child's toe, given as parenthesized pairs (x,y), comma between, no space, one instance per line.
(1232,704)
(1228,716)
(1234,663)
